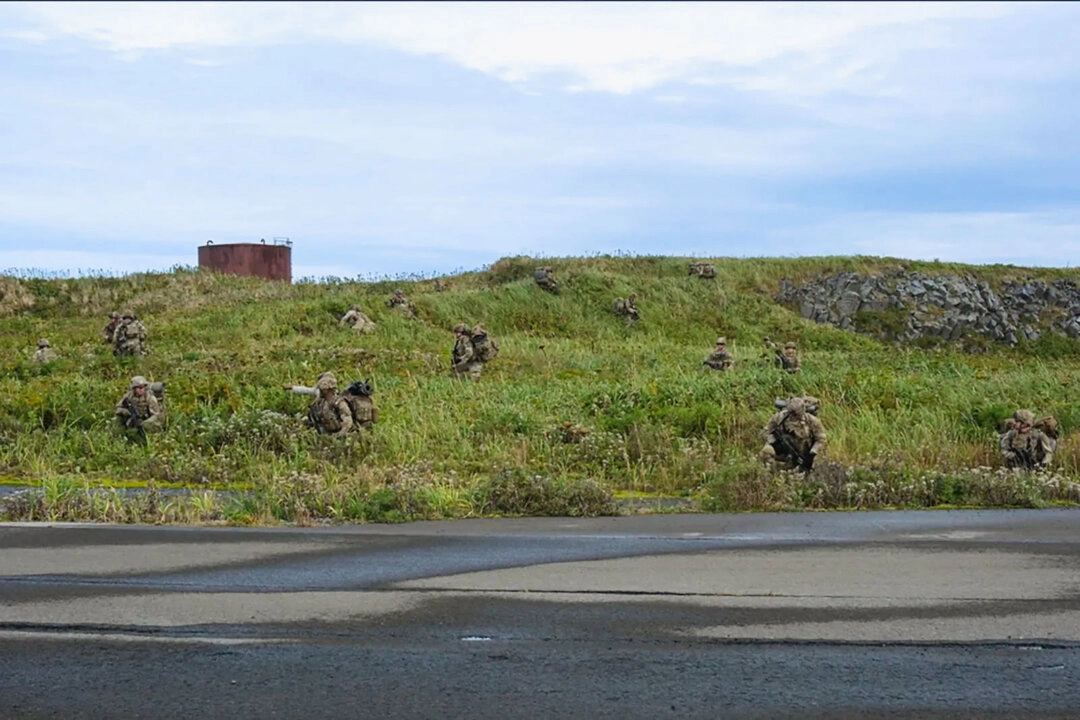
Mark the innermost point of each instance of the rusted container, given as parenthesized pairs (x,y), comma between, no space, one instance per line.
(273,262)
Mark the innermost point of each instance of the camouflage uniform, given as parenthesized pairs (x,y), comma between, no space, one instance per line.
(546,280)
(1026,446)
(357,396)
(129,337)
(720,358)
(364,412)
(463,363)
(357,320)
(330,414)
(399,302)
(794,436)
(626,309)
(44,353)
(140,396)
(789,361)
(108,333)
(704,271)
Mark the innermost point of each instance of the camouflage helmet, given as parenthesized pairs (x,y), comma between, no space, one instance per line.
(399,292)
(114,315)
(127,314)
(355,307)
(327,381)
(478,329)
(789,344)
(721,340)
(1024,416)
(43,342)
(138,381)
(796,405)
(461,329)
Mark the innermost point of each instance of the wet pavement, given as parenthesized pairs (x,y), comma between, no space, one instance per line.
(893,614)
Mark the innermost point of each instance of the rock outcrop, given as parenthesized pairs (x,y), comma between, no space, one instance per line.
(910,305)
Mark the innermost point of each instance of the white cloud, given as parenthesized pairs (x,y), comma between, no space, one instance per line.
(613,47)
(1025,238)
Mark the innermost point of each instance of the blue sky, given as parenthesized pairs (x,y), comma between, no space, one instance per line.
(388,139)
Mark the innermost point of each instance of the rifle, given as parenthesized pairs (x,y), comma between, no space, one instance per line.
(805,463)
(133,421)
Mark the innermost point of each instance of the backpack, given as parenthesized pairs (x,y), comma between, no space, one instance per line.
(485,349)
(1049,425)
(358,398)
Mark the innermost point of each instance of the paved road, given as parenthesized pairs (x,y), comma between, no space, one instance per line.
(936,614)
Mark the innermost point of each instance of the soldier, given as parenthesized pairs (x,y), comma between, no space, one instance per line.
(463,361)
(357,320)
(705,271)
(627,309)
(129,337)
(793,436)
(139,411)
(720,358)
(44,353)
(108,334)
(789,360)
(399,302)
(330,414)
(1025,446)
(546,280)
(357,395)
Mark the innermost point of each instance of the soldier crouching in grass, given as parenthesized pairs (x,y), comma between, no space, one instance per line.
(139,411)
(793,436)
(44,353)
(358,396)
(720,358)
(357,320)
(463,361)
(1028,444)
(330,414)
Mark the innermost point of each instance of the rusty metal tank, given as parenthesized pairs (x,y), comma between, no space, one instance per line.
(271,261)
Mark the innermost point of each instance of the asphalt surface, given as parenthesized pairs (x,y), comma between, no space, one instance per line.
(831,615)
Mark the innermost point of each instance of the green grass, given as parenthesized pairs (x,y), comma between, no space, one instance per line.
(576,407)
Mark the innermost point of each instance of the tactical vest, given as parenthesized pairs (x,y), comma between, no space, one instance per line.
(323,415)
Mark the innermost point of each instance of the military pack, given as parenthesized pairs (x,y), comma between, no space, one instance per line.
(485,348)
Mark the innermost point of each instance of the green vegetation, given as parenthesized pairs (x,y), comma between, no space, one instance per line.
(576,407)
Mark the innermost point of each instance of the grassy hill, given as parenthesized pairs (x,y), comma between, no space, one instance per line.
(576,405)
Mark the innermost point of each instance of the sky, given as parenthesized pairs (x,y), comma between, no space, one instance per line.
(414,138)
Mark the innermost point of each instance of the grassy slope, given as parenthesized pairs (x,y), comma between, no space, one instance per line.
(656,421)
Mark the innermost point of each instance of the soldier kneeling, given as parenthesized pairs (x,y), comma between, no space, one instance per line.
(545,279)
(330,414)
(1027,443)
(794,436)
(139,410)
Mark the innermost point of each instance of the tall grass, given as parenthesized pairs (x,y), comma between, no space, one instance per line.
(645,415)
